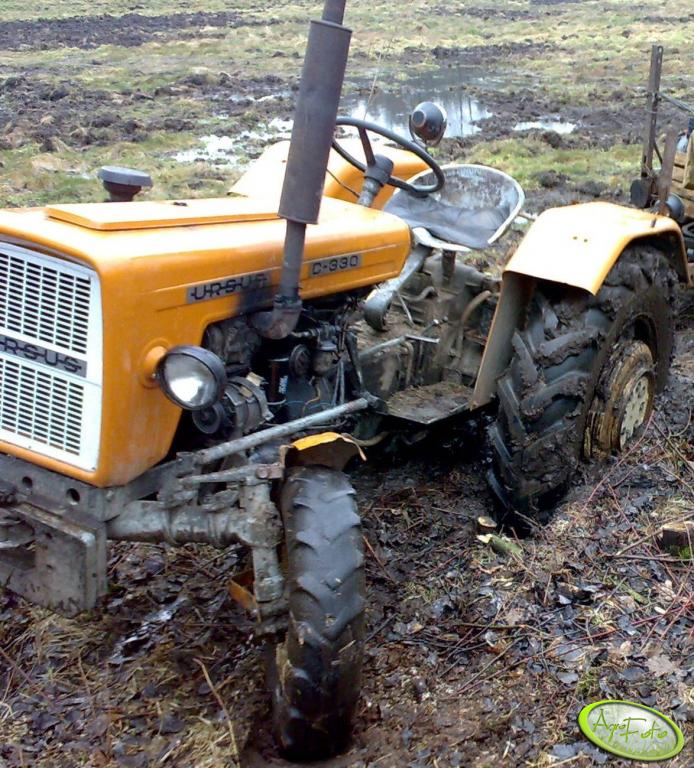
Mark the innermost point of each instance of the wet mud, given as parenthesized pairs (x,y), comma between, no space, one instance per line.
(50,108)
(128,30)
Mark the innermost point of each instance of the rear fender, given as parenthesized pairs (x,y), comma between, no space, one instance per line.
(576,245)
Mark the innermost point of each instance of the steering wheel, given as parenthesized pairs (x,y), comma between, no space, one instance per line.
(363,126)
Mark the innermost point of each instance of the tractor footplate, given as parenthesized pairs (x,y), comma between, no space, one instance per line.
(431,403)
(63,567)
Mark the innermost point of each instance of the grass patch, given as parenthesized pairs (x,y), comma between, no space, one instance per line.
(556,51)
(31,177)
(527,158)
(42,9)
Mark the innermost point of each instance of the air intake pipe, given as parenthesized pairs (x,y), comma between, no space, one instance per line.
(314,125)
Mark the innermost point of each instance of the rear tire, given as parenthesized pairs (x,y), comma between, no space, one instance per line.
(315,672)
(555,398)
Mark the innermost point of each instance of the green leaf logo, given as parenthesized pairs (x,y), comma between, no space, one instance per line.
(630,730)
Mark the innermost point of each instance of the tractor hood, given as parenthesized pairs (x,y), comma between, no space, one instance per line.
(175,244)
(160,214)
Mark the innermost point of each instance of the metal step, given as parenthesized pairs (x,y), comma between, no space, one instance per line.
(431,403)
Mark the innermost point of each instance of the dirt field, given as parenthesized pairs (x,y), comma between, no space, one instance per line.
(474,658)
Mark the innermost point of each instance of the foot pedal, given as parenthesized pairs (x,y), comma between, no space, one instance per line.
(64,567)
(431,403)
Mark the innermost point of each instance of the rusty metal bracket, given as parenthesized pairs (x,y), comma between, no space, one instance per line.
(649,133)
(271,616)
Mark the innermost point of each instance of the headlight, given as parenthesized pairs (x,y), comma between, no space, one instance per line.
(192,377)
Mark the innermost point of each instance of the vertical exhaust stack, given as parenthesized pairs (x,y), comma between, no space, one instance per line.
(314,124)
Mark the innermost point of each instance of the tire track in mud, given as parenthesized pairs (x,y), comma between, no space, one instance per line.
(129,31)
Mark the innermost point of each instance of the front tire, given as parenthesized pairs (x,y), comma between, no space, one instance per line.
(315,672)
(582,377)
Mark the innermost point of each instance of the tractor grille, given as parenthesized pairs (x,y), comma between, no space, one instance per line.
(50,356)
(44,302)
(41,406)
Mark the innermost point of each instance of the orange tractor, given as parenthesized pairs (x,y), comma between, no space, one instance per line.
(203,370)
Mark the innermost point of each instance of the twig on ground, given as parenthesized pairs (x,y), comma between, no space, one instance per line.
(379,561)
(475,677)
(230,725)
(621,461)
(380,628)
(92,705)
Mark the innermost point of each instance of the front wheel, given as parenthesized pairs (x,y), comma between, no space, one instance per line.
(582,378)
(315,672)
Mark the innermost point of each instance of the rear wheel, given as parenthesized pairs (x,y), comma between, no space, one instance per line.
(582,378)
(315,673)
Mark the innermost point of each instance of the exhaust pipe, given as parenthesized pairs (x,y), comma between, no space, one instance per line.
(314,124)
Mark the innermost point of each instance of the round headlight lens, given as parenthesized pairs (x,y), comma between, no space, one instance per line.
(192,377)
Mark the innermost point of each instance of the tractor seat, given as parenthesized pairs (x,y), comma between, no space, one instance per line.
(473,209)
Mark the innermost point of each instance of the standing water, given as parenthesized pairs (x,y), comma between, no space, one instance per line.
(386,101)
(390,104)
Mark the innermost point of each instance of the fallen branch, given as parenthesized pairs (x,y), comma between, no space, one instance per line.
(501,544)
(379,561)
(230,725)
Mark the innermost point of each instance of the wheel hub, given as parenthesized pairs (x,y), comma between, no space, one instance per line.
(623,399)
(635,410)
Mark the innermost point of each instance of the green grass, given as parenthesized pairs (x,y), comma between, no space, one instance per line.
(596,53)
(528,157)
(31,177)
(582,51)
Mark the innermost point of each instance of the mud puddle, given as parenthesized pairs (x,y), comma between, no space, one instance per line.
(234,150)
(369,99)
(558,126)
(390,106)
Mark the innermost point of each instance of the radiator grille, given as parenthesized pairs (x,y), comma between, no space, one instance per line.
(41,406)
(44,302)
(55,306)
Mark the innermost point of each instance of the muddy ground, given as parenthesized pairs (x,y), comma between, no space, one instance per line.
(140,85)
(473,658)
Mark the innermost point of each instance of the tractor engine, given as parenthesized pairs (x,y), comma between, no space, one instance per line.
(277,381)
(342,347)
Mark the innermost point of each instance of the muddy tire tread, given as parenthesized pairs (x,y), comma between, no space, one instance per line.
(545,392)
(318,666)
